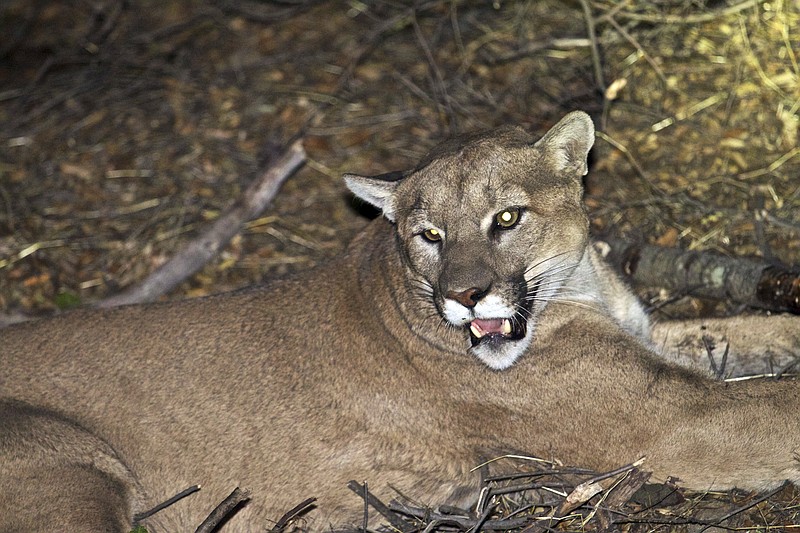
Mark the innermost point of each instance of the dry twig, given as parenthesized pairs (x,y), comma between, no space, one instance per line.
(223,510)
(292,514)
(161,506)
(199,251)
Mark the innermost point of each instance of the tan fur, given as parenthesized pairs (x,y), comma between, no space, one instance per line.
(351,371)
(747,345)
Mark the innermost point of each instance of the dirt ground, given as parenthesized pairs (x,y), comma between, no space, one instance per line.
(130,125)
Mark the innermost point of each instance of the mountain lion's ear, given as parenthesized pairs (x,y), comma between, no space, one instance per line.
(566,146)
(376,190)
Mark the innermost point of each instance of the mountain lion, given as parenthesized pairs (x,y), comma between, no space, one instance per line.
(473,319)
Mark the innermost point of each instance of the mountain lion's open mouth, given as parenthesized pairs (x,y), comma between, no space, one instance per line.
(495,329)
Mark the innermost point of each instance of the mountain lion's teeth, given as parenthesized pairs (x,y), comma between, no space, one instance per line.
(475,331)
(506,326)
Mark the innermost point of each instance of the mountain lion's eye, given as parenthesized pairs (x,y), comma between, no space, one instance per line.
(432,235)
(507,218)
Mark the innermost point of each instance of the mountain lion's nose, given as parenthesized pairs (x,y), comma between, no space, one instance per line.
(469,297)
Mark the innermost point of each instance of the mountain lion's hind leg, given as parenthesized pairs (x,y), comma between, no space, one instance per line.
(755,344)
(57,476)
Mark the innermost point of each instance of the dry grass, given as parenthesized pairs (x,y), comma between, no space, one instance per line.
(710,114)
(540,496)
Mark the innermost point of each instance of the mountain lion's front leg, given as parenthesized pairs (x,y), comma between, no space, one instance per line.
(739,345)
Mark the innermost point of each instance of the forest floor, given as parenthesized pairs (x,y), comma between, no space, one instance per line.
(130,126)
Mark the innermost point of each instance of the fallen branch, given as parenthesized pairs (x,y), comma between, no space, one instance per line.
(207,245)
(708,275)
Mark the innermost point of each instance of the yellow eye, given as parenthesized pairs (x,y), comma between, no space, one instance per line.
(507,218)
(432,235)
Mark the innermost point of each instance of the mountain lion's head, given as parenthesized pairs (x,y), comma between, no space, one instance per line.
(490,225)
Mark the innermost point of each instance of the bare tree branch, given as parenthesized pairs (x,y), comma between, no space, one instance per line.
(207,245)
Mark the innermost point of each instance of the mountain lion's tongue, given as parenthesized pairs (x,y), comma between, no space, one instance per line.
(487,326)
(492,328)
